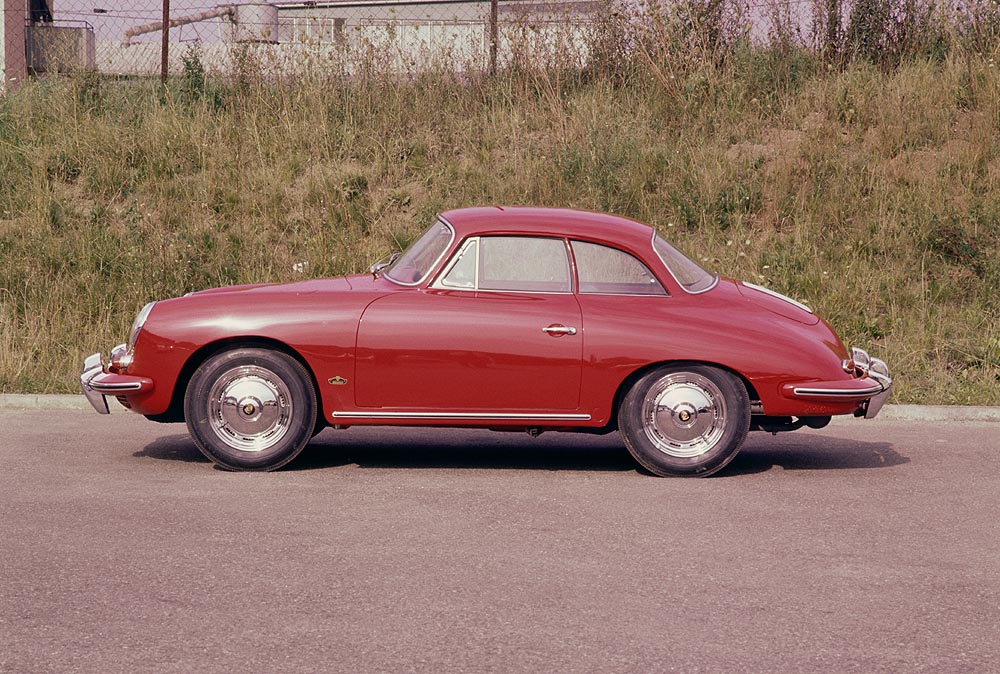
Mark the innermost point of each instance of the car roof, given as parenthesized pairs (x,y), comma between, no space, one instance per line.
(562,222)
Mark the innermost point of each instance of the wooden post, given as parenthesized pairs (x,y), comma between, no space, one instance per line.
(165,43)
(494,15)
(831,50)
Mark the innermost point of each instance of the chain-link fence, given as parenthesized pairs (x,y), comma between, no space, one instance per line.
(126,38)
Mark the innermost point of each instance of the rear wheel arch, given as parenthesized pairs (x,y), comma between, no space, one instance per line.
(626,384)
(684,418)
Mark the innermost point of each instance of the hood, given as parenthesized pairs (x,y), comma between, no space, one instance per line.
(295,288)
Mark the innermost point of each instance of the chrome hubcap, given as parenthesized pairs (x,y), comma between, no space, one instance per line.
(250,408)
(684,414)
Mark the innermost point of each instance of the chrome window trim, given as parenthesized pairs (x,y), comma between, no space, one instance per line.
(505,292)
(461,415)
(437,261)
(664,295)
(439,283)
(715,278)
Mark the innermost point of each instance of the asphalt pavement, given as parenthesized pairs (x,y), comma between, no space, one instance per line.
(867,546)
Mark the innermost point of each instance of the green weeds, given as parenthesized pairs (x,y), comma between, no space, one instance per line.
(869,193)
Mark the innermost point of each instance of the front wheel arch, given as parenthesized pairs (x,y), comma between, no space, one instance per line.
(251,408)
(175,412)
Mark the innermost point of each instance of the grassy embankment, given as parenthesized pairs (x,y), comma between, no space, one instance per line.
(872,195)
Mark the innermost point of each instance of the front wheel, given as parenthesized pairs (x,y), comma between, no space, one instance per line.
(251,408)
(685,420)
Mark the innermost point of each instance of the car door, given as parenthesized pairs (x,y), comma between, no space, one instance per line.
(500,331)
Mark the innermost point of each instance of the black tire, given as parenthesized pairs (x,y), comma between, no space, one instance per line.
(685,420)
(251,408)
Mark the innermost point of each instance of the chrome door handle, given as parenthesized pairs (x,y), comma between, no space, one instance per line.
(556,330)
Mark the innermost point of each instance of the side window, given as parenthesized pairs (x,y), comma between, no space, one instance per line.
(523,263)
(515,263)
(612,272)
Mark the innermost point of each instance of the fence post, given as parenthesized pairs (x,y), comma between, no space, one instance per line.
(832,47)
(165,43)
(14,61)
(493,36)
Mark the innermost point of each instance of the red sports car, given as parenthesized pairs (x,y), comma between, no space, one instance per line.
(530,318)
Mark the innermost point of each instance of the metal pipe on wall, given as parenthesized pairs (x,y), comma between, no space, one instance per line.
(224,10)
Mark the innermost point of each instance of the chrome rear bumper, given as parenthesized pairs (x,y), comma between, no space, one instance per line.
(870,389)
(874,404)
(880,373)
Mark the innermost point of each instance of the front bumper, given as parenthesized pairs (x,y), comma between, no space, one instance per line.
(98,381)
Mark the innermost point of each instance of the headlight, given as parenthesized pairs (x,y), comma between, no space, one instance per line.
(861,359)
(879,370)
(138,323)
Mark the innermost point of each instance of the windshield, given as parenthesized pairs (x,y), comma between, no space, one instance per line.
(413,266)
(686,271)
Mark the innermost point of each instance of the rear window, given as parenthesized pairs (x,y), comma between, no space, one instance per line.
(688,273)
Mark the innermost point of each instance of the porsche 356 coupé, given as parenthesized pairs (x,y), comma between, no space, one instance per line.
(503,318)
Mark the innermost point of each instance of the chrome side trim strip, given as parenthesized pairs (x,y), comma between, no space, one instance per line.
(857,392)
(461,415)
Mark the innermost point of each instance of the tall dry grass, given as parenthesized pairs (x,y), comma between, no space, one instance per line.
(871,193)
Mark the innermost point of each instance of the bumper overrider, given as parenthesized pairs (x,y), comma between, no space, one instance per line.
(100,379)
(870,389)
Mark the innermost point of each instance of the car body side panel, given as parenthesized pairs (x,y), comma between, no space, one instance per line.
(623,334)
(469,351)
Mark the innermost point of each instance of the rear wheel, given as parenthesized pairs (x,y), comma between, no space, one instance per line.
(685,420)
(251,408)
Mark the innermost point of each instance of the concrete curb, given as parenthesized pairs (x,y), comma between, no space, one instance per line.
(17,401)
(30,401)
(939,413)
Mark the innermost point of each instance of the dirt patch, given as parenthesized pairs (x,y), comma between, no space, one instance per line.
(775,144)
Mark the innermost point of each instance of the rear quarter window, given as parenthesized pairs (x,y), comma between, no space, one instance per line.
(605,270)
